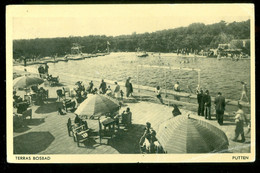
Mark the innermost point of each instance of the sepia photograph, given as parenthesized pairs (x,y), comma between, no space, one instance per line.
(130,83)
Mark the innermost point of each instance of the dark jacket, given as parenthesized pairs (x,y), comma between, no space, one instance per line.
(130,87)
(103,86)
(207,100)
(127,83)
(220,103)
(199,98)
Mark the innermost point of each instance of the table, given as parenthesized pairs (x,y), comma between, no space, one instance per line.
(108,122)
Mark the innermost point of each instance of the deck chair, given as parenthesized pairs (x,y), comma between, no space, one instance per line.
(81,137)
(80,134)
(70,126)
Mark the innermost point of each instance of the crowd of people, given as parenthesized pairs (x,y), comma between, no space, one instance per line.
(105,89)
(34,95)
(205,105)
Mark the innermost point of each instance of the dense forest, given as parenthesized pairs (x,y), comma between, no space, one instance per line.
(196,36)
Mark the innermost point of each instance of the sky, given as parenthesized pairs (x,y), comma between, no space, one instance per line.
(112,20)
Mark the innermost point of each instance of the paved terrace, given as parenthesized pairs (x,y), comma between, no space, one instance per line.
(47,132)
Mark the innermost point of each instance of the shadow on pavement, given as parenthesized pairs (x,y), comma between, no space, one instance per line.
(32,142)
(47,108)
(21,129)
(34,121)
(128,141)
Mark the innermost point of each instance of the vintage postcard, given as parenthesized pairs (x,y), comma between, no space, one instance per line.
(139,83)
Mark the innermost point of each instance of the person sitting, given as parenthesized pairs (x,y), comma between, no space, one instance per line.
(79,97)
(60,112)
(109,91)
(127,117)
(77,120)
(17,99)
(49,77)
(156,146)
(95,91)
(90,87)
(21,107)
(176,111)
(146,139)
(34,88)
(41,95)
(84,94)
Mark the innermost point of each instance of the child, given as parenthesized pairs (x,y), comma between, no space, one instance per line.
(122,94)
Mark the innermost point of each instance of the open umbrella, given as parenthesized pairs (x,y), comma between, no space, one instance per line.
(26,81)
(183,134)
(96,105)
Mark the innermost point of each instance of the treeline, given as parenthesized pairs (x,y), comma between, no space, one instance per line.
(196,36)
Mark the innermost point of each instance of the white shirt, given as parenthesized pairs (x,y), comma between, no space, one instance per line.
(158,92)
(240,115)
(176,87)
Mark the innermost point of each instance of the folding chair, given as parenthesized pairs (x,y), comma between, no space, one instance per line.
(59,94)
(66,91)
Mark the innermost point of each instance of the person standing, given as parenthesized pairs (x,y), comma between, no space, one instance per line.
(158,94)
(24,61)
(220,107)
(198,89)
(199,99)
(202,104)
(117,91)
(90,87)
(207,100)
(40,70)
(46,68)
(127,85)
(244,91)
(176,88)
(239,120)
(122,94)
(131,89)
(103,87)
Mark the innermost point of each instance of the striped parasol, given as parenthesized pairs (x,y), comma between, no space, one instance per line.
(26,81)
(183,134)
(96,105)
